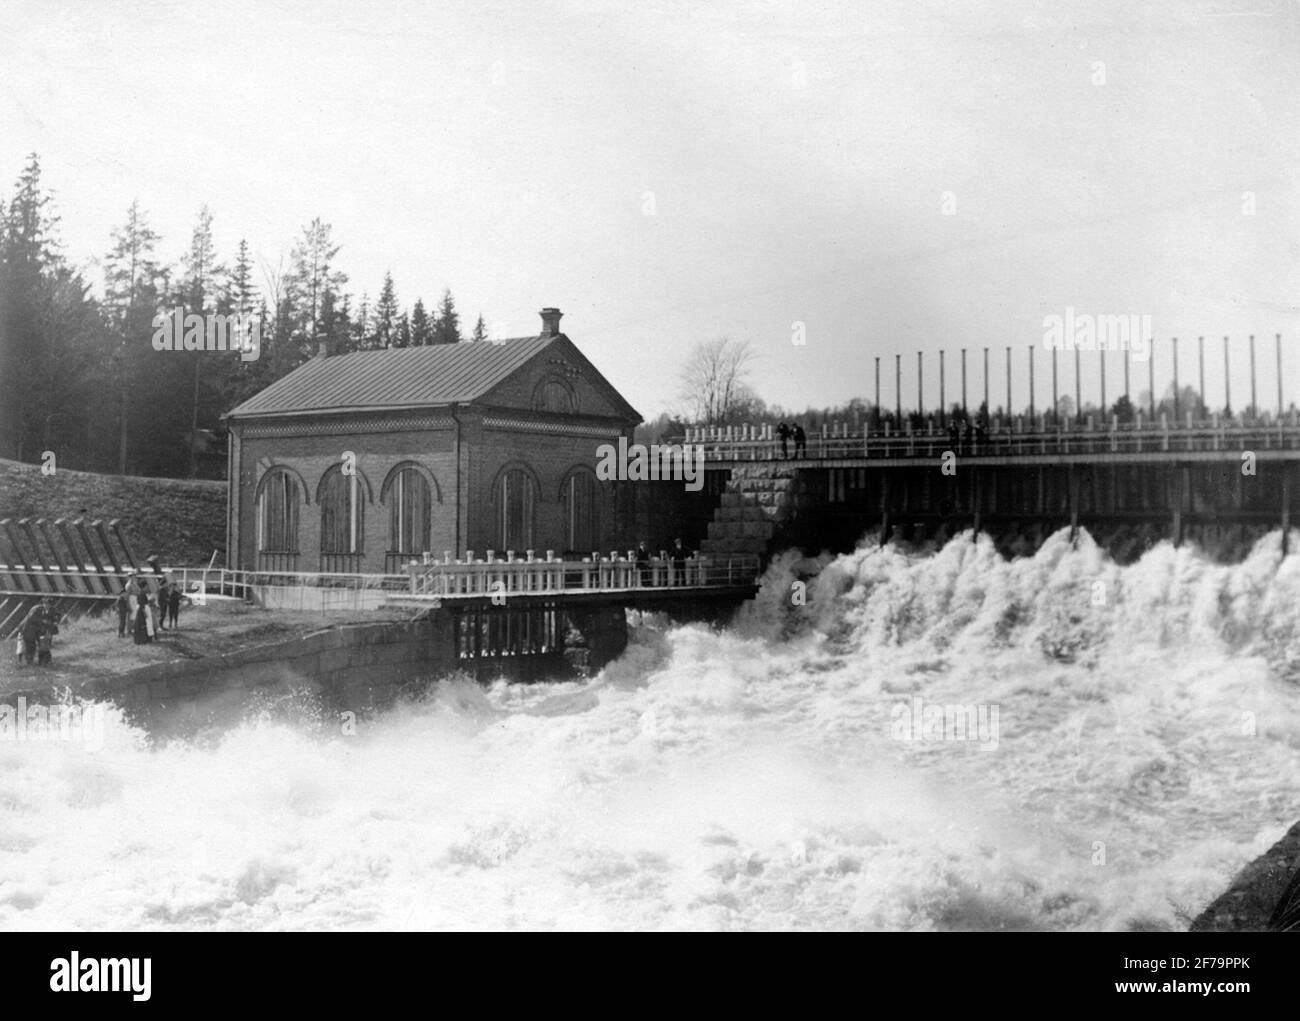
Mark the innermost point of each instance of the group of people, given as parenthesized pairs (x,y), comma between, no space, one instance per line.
(966,432)
(676,557)
(36,635)
(786,433)
(142,613)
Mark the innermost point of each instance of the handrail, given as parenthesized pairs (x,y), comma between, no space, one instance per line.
(1007,441)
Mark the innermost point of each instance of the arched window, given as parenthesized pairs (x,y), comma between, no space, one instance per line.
(554,395)
(516,498)
(580,497)
(342,512)
(277,513)
(410,513)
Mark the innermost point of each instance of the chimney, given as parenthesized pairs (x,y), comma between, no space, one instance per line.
(551,322)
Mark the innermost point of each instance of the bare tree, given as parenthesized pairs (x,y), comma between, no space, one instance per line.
(714,380)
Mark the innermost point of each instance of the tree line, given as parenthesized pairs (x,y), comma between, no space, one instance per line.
(79,374)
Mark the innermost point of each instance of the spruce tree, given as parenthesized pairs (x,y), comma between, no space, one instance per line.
(446,329)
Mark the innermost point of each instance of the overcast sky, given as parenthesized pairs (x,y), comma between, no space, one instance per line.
(795,157)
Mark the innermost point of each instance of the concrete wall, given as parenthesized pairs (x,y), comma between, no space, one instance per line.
(357,668)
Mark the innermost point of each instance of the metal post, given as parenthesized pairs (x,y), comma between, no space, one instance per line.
(1279,377)
(920,381)
(1254,408)
(963,383)
(898,390)
(1056,400)
(1175,382)
(1103,384)
(1010,413)
(1078,385)
(1227,381)
(1151,374)
(877,416)
(1200,343)
(1031,387)
(986,383)
(943,403)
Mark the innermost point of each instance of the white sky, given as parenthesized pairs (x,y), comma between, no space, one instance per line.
(797,154)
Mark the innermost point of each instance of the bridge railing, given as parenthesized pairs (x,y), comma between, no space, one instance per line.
(591,574)
(1004,437)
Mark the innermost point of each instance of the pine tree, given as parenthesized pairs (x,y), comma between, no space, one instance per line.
(386,313)
(133,280)
(309,277)
(199,289)
(480,329)
(241,292)
(446,329)
(421,327)
(28,253)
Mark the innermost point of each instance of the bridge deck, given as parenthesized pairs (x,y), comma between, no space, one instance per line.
(1005,445)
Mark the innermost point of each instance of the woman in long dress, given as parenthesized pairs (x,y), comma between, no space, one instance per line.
(143,632)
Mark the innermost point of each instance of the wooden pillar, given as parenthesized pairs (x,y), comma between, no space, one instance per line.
(884,507)
(1286,506)
(1176,488)
(1073,489)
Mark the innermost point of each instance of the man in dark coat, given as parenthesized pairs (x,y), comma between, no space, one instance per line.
(45,640)
(174,604)
(679,554)
(164,600)
(800,441)
(31,629)
(123,611)
(642,563)
(783,434)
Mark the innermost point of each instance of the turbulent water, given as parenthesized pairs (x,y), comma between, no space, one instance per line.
(1137,740)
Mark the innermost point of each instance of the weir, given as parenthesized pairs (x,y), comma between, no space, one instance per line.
(1219,483)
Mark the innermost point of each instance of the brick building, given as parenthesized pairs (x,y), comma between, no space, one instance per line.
(365,461)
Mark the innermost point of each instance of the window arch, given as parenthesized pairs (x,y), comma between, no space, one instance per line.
(410,498)
(580,498)
(516,502)
(554,394)
(342,511)
(278,495)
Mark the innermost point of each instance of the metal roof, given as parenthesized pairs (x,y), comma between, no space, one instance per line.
(395,377)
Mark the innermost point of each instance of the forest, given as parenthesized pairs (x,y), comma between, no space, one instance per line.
(79,376)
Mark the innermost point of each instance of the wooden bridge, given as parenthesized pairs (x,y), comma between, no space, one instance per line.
(1208,476)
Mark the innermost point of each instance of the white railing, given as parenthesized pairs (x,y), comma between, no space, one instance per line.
(613,573)
(1003,437)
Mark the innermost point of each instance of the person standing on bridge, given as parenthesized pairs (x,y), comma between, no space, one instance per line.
(642,564)
(174,604)
(164,598)
(45,640)
(678,556)
(783,434)
(800,441)
(143,631)
(123,610)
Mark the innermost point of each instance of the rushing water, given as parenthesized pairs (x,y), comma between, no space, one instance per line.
(1146,745)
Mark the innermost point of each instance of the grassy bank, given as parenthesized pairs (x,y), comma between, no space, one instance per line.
(180,520)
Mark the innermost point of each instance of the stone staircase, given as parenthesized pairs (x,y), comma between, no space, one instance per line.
(758,501)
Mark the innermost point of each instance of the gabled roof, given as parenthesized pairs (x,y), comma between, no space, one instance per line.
(395,378)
